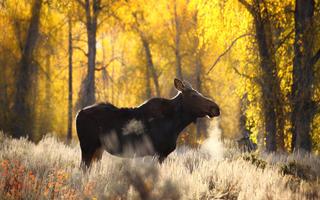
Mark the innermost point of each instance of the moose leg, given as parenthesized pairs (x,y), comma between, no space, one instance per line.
(97,154)
(161,159)
(86,160)
(89,156)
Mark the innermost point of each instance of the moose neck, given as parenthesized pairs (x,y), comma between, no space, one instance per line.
(182,118)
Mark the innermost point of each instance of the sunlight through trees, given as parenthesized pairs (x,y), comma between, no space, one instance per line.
(258,59)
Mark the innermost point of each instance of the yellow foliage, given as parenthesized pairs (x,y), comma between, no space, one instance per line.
(206,30)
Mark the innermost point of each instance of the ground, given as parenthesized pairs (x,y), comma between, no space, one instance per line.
(50,170)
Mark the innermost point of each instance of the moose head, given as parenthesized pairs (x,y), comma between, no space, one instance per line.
(194,102)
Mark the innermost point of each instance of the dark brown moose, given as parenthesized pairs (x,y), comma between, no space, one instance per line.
(150,129)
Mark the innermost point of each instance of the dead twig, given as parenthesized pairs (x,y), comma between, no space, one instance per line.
(227,50)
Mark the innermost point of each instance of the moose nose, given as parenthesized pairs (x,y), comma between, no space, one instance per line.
(215,110)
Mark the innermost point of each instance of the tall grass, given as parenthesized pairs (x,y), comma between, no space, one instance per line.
(50,170)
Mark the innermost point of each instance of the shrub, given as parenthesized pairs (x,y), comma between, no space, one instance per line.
(50,170)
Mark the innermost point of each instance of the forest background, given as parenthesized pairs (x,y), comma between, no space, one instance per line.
(258,59)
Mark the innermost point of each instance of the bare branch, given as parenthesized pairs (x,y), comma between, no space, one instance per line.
(242,74)
(46,74)
(121,23)
(248,6)
(315,58)
(108,75)
(80,49)
(252,78)
(227,50)
(78,39)
(284,39)
(106,65)
(103,20)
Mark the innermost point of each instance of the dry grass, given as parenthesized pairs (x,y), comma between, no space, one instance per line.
(49,170)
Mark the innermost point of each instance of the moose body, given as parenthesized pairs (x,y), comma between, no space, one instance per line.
(150,129)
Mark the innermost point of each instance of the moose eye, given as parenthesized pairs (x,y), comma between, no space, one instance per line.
(194,95)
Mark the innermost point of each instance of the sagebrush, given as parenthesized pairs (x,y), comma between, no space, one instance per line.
(50,170)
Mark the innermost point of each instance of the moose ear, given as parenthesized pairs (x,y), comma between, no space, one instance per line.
(179,85)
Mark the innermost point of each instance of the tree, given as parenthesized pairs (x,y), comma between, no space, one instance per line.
(43,120)
(199,48)
(177,41)
(70,55)
(150,68)
(138,25)
(22,122)
(269,81)
(303,107)
(87,91)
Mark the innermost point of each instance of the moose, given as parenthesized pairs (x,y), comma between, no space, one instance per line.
(150,129)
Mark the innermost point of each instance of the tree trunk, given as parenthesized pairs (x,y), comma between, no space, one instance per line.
(104,72)
(70,54)
(4,105)
(48,97)
(150,66)
(22,122)
(245,132)
(33,98)
(148,86)
(177,43)
(303,74)
(44,117)
(201,125)
(4,99)
(270,83)
(269,79)
(87,91)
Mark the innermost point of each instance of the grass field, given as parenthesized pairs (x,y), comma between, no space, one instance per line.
(50,170)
